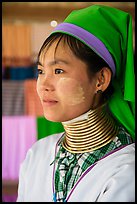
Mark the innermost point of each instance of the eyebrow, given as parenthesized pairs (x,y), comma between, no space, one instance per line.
(57,61)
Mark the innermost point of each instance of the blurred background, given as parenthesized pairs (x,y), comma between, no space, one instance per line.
(25,26)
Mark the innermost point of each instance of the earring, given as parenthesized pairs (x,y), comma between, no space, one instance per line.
(99,91)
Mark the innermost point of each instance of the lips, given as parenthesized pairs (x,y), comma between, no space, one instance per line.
(49,101)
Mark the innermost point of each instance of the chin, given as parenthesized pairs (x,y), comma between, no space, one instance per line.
(51,118)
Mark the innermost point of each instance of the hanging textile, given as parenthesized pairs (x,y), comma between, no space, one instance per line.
(9,198)
(12,97)
(22,73)
(31,99)
(5,72)
(18,135)
(45,127)
(16,44)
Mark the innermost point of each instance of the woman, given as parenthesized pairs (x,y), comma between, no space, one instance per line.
(86,82)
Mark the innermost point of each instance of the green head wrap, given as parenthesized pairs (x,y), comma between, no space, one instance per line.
(108,31)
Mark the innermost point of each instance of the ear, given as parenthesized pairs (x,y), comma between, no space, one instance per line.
(103,79)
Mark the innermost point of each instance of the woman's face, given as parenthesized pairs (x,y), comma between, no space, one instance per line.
(63,85)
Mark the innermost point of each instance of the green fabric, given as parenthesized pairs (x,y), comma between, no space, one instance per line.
(46,128)
(114,28)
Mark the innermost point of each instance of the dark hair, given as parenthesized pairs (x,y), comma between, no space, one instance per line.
(94,62)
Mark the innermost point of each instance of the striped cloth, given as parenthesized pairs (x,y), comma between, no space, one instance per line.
(71,166)
(12,97)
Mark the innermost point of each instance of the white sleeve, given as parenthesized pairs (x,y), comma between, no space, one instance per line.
(120,187)
(21,185)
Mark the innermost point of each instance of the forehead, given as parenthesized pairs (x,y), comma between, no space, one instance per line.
(58,47)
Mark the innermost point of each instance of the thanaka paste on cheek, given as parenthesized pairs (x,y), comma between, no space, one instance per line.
(70,91)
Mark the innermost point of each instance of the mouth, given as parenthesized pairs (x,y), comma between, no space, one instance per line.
(49,102)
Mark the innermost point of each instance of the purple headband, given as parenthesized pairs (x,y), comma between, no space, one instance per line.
(93,42)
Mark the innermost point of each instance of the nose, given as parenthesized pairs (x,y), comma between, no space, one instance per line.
(47,84)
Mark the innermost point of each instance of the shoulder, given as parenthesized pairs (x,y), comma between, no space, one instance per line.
(120,156)
(48,141)
(44,147)
(119,164)
(117,172)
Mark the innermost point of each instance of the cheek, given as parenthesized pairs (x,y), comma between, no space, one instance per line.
(70,91)
(38,88)
(37,85)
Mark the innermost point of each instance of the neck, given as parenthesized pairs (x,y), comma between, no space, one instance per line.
(89,132)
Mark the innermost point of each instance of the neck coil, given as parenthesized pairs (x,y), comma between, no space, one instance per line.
(90,134)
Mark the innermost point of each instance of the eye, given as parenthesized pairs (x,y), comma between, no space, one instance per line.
(58,71)
(40,71)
